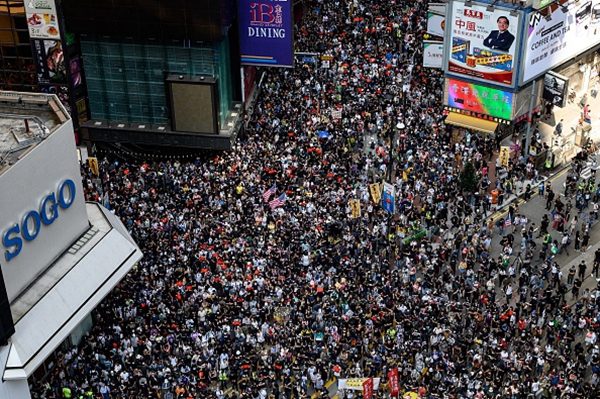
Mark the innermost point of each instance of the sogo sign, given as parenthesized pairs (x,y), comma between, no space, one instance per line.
(33,221)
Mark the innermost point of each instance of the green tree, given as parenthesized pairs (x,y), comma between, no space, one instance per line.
(468,178)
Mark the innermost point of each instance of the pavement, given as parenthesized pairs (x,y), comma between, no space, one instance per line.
(516,199)
(570,114)
(534,209)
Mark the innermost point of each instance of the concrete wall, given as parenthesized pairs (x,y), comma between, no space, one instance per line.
(11,389)
(22,188)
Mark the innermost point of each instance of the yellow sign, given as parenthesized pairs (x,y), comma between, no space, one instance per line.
(93,164)
(375,190)
(504,155)
(354,205)
(355,382)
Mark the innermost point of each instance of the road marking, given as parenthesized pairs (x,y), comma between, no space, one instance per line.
(521,201)
(329,383)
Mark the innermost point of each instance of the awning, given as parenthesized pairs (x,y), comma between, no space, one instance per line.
(471,122)
(57,302)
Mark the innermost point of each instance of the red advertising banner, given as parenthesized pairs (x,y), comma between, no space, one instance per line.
(393,383)
(368,389)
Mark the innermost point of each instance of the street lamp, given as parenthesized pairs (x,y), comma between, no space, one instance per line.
(399,127)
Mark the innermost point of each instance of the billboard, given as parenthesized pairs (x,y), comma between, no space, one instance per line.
(194,104)
(433,54)
(436,23)
(482,44)
(555,89)
(538,4)
(42,19)
(479,99)
(564,33)
(76,72)
(266,32)
(50,60)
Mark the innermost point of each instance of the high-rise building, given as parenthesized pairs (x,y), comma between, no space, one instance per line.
(164,72)
(17,67)
(524,71)
(60,255)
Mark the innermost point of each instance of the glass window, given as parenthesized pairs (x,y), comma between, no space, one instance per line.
(126,80)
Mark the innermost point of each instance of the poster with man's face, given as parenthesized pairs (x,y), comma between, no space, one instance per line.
(482,44)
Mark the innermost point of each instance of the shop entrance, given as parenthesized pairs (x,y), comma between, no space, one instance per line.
(574,127)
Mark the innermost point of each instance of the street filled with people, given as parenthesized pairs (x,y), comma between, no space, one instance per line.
(260,280)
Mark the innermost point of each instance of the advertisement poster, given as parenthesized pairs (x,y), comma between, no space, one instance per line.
(436,23)
(266,32)
(388,198)
(42,19)
(480,99)
(433,54)
(76,77)
(569,30)
(555,89)
(50,61)
(482,44)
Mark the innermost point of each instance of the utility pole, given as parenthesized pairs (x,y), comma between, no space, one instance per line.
(529,119)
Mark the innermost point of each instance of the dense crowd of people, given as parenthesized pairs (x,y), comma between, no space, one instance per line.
(258,281)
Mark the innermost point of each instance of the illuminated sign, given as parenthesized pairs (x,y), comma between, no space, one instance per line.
(42,19)
(479,99)
(266,32)
(565,32)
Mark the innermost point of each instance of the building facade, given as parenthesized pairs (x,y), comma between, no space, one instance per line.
(17,66)
(108,62)
(518,69)
(60,255)
(130,51)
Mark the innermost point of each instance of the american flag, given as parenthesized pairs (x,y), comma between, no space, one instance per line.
(279,201)
(267,194)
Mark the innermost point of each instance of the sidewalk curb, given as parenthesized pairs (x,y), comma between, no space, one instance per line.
(544,179)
